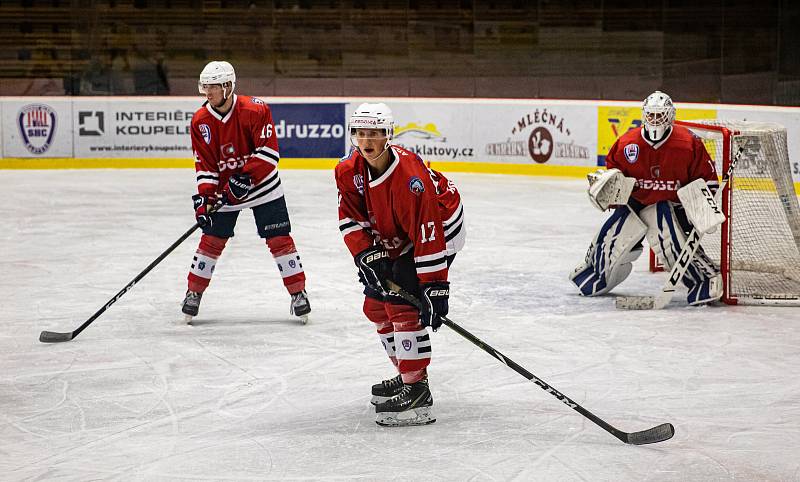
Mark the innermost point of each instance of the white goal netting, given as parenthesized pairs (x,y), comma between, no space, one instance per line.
(759,246)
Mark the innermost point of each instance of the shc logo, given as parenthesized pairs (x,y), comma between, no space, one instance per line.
(632,153)
(37,125)
(415,185)
(91,123)
(206,132)
(407,345)
(358,182)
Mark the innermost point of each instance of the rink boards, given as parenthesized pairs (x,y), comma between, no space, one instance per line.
(542,137)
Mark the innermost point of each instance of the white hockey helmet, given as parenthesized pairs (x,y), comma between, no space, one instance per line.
(658,114)
(371,116)
(217,72)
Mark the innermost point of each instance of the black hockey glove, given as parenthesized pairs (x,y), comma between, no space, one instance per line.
(202,209)
(238,187)
(434,303)
(374,266)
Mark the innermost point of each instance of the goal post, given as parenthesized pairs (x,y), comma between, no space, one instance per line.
(758,246)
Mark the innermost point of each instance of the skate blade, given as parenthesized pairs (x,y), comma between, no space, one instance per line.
(378,399)
(415,416)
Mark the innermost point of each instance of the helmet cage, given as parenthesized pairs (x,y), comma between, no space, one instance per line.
(658,114)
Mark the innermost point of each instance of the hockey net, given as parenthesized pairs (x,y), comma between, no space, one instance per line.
(758,246)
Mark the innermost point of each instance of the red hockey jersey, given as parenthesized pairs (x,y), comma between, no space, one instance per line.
(662,168)
(409,207)
(243,140)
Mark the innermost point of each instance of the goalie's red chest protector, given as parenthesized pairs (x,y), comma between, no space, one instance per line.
(662,168)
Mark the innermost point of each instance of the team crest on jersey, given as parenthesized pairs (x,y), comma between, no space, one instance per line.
(228,150)
(407,345)
(256,100)
(415,185)
(632,152)
(358,182)
(37,125)
(655,171)
(206,131)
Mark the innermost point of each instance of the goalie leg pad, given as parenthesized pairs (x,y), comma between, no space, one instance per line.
(666,238)
(610,256)
(703,280)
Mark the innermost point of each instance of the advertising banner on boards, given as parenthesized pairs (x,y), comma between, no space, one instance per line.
(37,127)
(130,127)
(310,130)
(537,133)
(436,131)
(615,120)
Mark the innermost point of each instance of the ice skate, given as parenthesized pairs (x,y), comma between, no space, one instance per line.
(300,306)
(412,406)
(386,389)
(191,305)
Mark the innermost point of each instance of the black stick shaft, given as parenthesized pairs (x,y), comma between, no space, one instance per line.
(623,436)
(54,337)
(135,280)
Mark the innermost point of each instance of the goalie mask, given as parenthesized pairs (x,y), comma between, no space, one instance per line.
(372,116)
(658,114)
(217,72)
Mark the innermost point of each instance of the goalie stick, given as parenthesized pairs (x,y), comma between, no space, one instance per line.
(659,433)
(681,264)
(56,337)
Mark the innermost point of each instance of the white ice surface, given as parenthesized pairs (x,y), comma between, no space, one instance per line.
(247,393)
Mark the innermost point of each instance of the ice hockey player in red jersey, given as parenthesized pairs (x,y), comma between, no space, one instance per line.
(401,221)
(653,175)
(236,150)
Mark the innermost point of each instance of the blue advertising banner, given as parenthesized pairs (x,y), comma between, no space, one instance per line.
(310,130)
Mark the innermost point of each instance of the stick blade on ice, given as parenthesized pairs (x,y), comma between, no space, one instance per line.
(635,302)
(54,337)
(660,433)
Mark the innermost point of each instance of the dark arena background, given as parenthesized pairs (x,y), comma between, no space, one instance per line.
(517,103)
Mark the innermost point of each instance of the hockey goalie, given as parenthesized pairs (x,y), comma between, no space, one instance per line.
(658,183)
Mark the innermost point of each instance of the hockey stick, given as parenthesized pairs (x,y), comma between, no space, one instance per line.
(56,337)
(659,433)
(681,265)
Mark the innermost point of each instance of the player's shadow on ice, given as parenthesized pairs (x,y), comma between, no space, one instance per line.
(208,322)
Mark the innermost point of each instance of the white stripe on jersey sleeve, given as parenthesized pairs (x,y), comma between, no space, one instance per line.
(429,257)
(348,225)
(269,153)
(432,269)
(207,177)
(266,158)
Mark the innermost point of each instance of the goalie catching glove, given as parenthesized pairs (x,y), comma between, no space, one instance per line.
(609,188)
